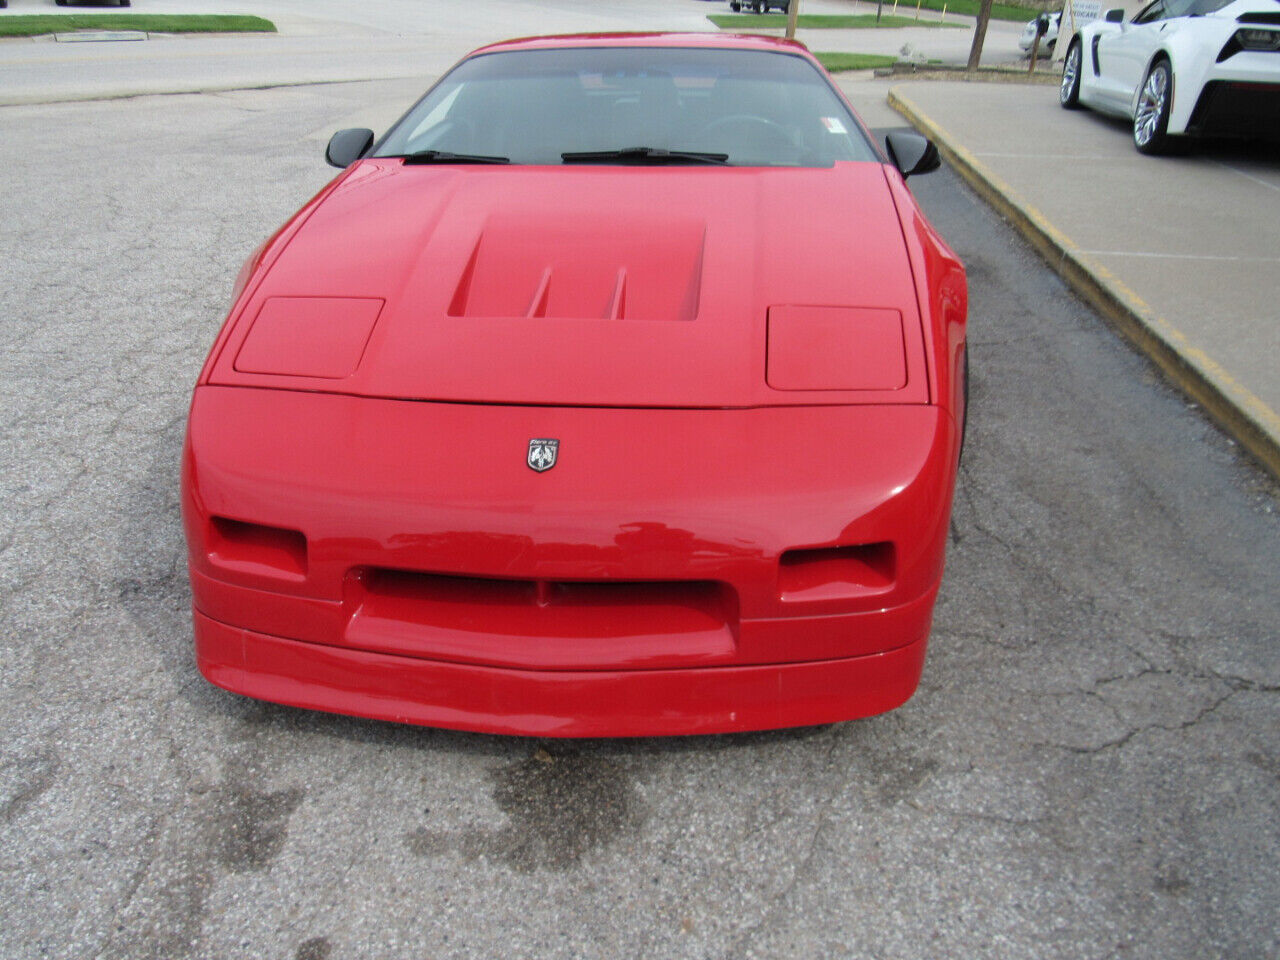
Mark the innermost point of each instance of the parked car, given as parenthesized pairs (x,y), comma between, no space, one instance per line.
(619,389)
(1047,39)
(760,6)
(1181,68)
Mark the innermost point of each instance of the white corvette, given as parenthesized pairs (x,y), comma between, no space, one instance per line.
(1181,68)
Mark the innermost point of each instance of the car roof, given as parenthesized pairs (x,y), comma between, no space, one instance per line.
(721,41)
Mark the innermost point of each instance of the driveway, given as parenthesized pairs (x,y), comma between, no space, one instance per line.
(1089,768)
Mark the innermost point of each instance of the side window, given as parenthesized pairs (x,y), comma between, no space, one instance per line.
(1152,13)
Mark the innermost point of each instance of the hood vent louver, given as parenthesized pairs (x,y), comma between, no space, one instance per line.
(582,269)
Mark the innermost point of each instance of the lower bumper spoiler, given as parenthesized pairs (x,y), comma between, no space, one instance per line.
(555,703)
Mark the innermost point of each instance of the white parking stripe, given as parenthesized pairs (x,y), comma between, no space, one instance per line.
(1247,176)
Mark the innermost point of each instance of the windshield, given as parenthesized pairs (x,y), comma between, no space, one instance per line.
(749,107)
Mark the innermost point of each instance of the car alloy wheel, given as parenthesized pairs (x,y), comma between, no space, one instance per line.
(1069,91)
(1152,116)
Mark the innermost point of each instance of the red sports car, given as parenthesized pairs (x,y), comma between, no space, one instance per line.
(617,390)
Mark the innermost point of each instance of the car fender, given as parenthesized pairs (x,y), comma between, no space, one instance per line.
(1161,53)
(258,263)
(1090,78)
(1191,48)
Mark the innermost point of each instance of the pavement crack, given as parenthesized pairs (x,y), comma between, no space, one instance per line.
(801,863)
(1123,740)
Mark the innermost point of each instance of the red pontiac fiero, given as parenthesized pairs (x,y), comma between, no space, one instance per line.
(618,390)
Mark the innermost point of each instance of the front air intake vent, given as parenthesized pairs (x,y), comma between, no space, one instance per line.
(831,573)
(256,549)
(542,624)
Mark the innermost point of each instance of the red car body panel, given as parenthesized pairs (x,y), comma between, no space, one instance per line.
(755,378)
(582,285)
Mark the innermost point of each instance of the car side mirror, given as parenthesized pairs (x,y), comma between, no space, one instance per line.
(1115,16)
(912,153)
(348,146)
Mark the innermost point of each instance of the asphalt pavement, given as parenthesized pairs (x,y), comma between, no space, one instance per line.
(1088,770)
(336,40)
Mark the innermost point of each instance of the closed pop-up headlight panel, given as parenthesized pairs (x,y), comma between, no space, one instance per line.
(836,348)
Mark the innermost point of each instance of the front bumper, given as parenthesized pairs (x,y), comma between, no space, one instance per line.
(1230,108)
(1239,96)
(677,571)
(549,703)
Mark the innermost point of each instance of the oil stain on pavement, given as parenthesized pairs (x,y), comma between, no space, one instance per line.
(558,809)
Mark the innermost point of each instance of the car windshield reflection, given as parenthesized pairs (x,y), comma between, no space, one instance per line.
(749,107)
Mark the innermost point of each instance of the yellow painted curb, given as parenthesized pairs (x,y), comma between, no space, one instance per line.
(1243,414)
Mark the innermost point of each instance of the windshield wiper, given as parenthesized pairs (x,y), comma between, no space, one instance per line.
(444,156)
(643,156)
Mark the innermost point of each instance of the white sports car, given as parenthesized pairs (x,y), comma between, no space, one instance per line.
(1181,67)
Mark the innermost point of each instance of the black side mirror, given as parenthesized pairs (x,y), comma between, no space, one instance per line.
(348,146)
(912,153)
(1115,16)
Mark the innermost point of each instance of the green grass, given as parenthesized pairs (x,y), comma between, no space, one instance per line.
(999,11)
(821,21)
(31,25)
(854,61)
(905,17)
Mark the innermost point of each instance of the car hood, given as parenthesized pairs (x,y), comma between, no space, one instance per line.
(611,286)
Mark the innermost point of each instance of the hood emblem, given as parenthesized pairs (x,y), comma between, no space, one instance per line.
(542,454)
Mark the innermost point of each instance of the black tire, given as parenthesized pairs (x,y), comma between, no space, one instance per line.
(757,6)
(1069,89)
(1151,118)
(735,6)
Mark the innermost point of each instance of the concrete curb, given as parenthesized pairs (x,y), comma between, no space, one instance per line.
(1244,416)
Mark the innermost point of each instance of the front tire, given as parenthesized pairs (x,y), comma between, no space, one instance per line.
(1151,119)
(1069,90)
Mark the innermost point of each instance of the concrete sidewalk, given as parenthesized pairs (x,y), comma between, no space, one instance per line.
(1181,253)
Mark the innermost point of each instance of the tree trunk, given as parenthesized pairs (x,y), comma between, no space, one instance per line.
(793,11)
(979,35)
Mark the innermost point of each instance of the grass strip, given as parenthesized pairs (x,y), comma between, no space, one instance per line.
(31,25)
(854,61)
(999,11)
(819,21)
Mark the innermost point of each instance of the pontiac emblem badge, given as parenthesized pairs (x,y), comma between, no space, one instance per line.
(542,454)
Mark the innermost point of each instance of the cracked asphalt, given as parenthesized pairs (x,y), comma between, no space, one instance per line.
(1090,768)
